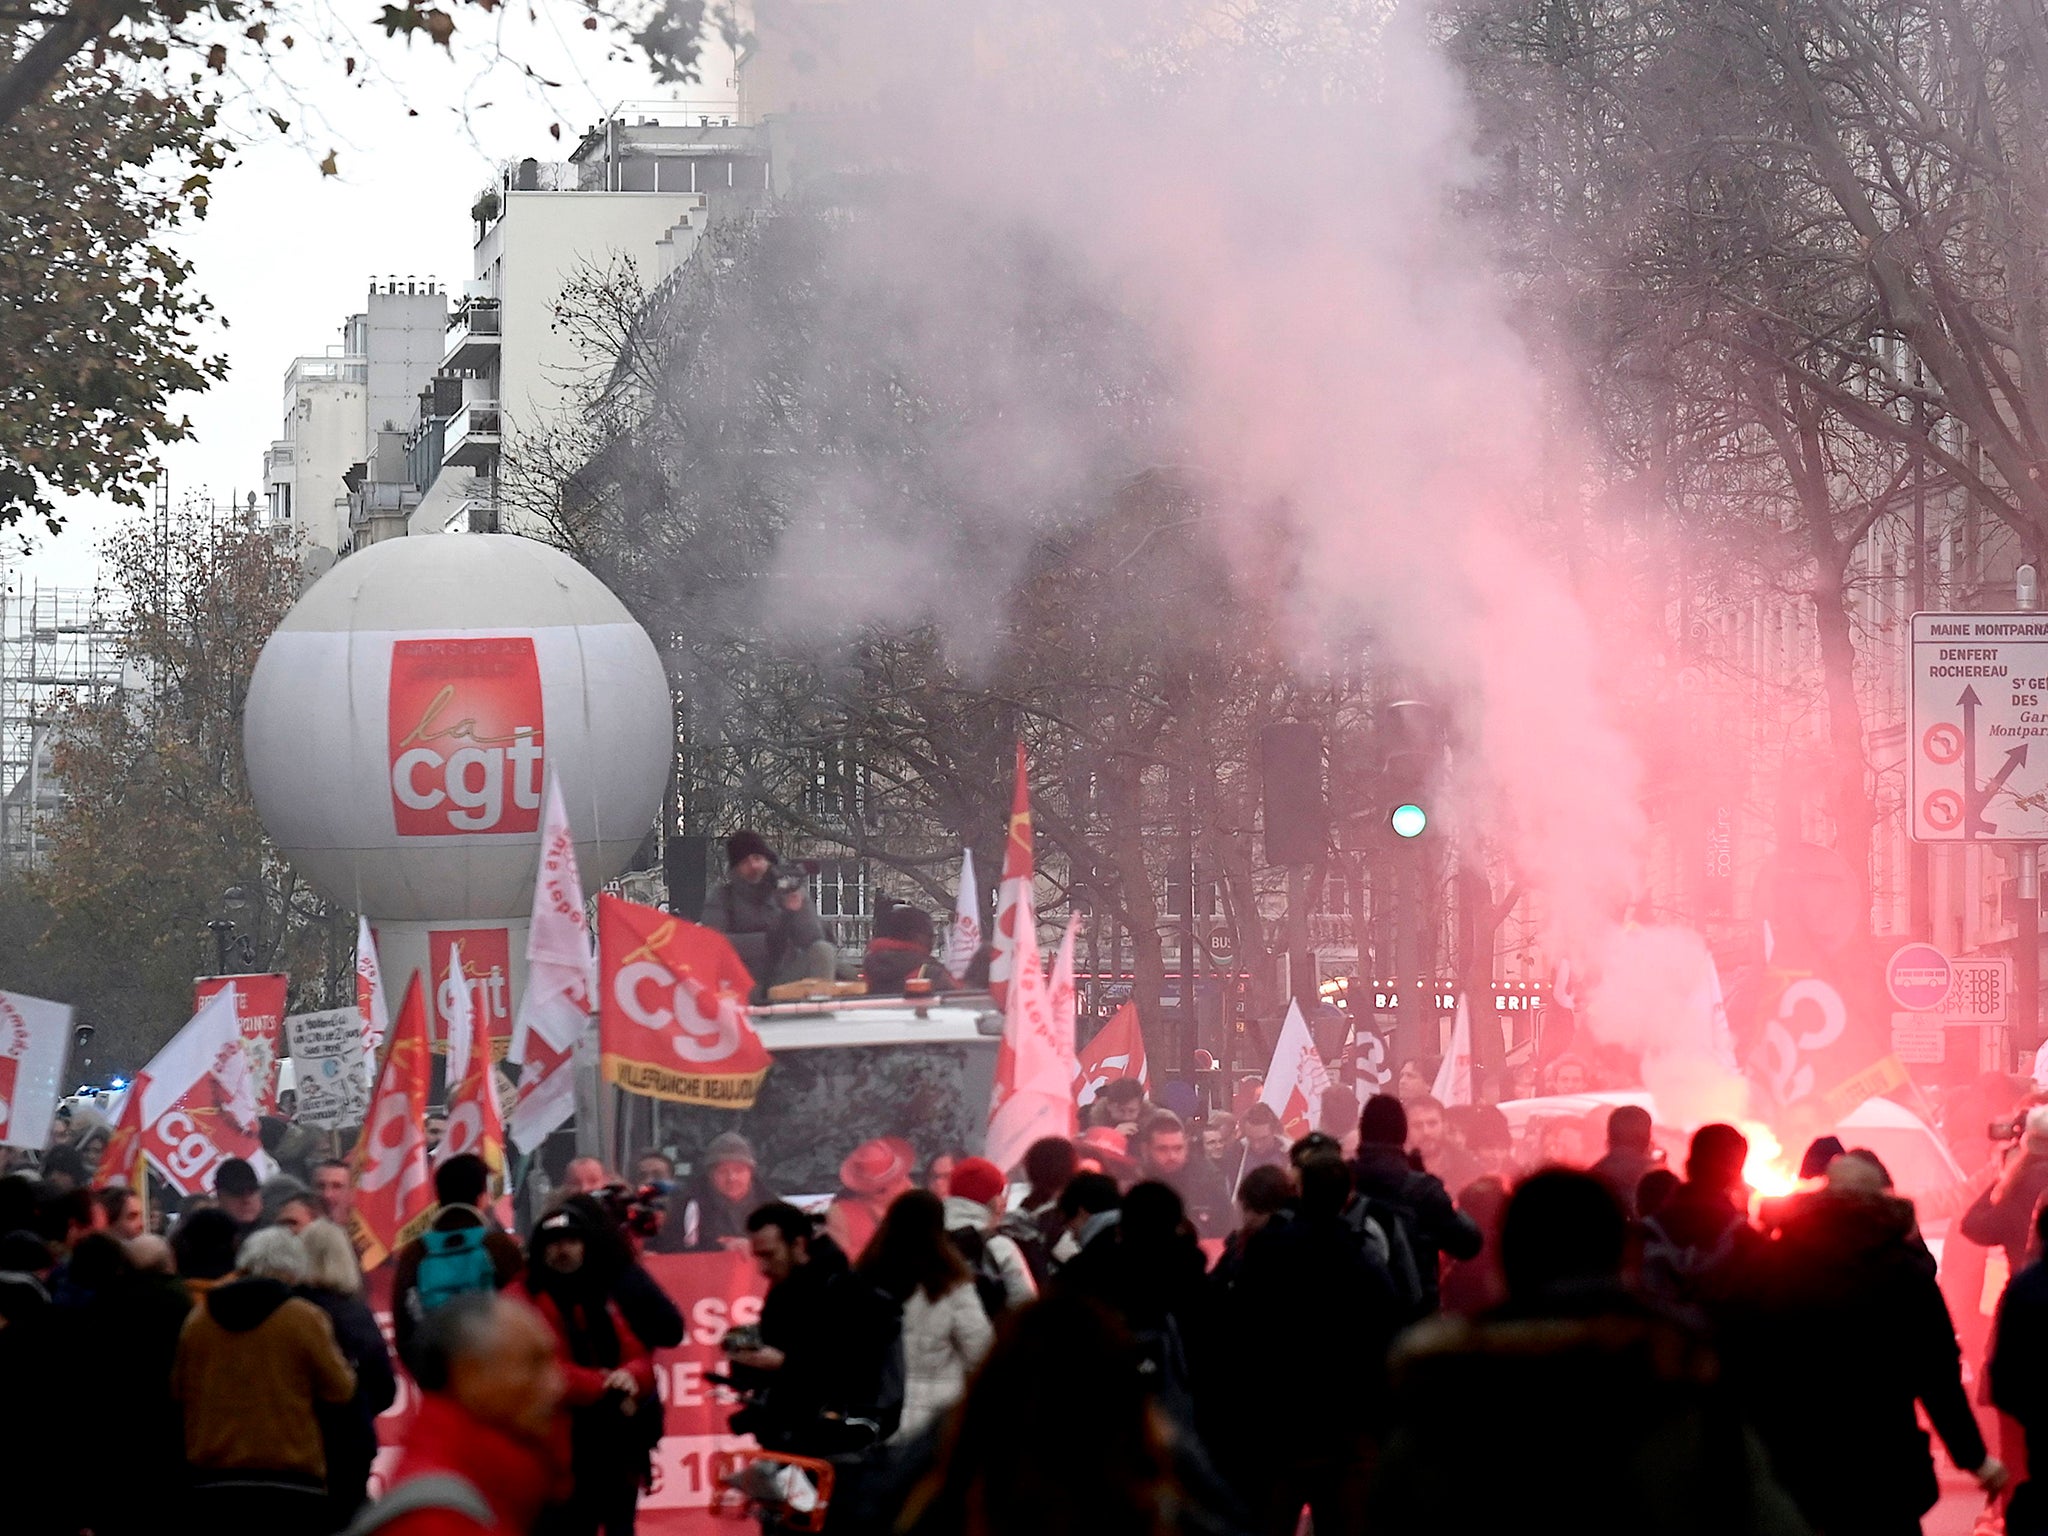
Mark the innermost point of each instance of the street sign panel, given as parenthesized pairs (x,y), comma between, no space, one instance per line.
(1980,991)
(1978,768)
(1917,1039)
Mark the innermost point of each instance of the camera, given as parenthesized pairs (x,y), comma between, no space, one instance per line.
(2006,1130)
(738,1339)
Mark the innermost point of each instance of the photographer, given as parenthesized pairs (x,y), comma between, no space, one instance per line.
(769,916)
(2003,1216)
(824,1374)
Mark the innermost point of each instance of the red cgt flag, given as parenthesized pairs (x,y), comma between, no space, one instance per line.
(1118,1050)
(394,1192)
(1016,907)
(672,1009)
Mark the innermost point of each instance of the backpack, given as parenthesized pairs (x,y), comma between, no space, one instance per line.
(452,1264)
(1020,1229)
(440,1490)
(1396,1225)
(988,1277)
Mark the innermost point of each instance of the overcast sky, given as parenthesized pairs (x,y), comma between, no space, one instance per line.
(287,254)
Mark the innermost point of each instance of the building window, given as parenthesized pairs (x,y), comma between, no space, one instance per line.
(840,888)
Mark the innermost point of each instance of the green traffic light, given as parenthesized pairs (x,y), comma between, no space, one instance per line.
(1408,820)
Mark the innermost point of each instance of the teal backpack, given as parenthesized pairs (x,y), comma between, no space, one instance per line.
(452,1264)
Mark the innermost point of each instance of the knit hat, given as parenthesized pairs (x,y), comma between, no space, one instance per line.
(556,1225)
(744,845)
(728,1147)
(978,1179)
(1383,1122)
(877,1167)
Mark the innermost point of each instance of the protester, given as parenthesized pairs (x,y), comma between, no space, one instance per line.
(1429,1138)
(204,1244)
(827,1377)
(1416,1076)
(1050,1163)
(337,1193)
(1165,1156)
(1221,1137)
(2019,1382)
(1701,1233)
(946,1330)
(2003,1216)
(1431,1225)
(710,1211)
(485,1454)
(899,956)
(240,1194)
(938,1173)
(870,1179)
(994,1253)
(613,1259)
(1837,1341)
(615,1415)
(348,1430)
(1491,1141)
(1263,1146)
(1574,1406)
(1122,1105)
(1476,1285)
(254,1362)
(776,931)
(295,1209)
(1059,1434)
(654,1167)
(583,1176)
(1105,1149)
(1629,1154)
(462,1250)
(122,1212)
(1089,1207)
(1313,1270)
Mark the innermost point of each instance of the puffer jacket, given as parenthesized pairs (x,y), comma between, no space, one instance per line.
(943,1341)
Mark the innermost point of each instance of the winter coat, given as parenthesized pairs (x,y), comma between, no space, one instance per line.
(2019,1388)
(516,1477)
(608,1444)
(1239,1159)
(1832,1335)
(1621,1170)
(1003,1254)
(2009,1223)
(508,1259)
(739,908)
(943,1342)
(889,963)
(842,1344)
(1591,1411)
(1435,1225)
(699,1218)
(349,1429)
(253,1363)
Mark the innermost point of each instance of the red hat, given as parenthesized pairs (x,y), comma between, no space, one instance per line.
(978,1179)
(879,1167)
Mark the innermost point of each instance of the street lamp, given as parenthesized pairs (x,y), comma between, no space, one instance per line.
(234,902)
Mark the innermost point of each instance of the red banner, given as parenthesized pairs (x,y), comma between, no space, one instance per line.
(487,969)
(673,1009)
(714,1291)
(394,1193)
(259,1007)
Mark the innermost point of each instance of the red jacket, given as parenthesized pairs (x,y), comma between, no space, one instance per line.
(516,1476)
(586,1382)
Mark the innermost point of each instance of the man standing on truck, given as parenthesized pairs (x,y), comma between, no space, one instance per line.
(768,916)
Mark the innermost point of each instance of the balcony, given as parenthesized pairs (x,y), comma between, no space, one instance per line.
(473,336)
(472,439)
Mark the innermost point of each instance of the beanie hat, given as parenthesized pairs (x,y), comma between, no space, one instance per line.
(978,1179)
(1383,1122)
(728,1147)
(744,845)
(236,1177)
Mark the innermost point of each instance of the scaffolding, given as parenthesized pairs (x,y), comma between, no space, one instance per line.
(55,643)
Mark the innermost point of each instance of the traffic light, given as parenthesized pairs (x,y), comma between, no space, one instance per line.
(1412,747)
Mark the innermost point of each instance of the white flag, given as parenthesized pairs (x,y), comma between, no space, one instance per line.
(456,1008)
(963,939)
(370,1001)
(561,981)
(35,1040)
(1034,1087)
(1297,1079)
(1454,1078)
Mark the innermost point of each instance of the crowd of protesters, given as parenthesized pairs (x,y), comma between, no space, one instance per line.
(1411,1320)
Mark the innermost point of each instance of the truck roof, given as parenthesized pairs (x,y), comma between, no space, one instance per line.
(959,1019)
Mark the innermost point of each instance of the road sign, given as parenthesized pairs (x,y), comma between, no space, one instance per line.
(1979,766)
(1918,977)
(1917,1039)
(1980,991)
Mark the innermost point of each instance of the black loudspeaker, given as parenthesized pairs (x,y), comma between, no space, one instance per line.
(1297,816)
(689,876)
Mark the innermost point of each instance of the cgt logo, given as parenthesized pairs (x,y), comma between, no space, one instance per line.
(467,737)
